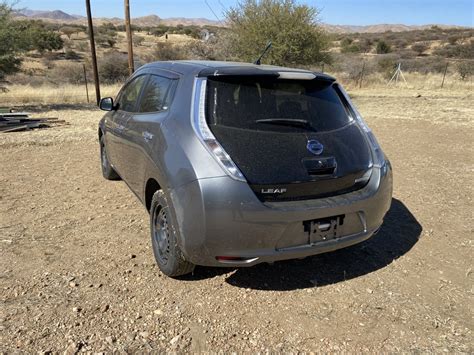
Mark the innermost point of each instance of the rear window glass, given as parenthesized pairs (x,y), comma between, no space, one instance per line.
(275,105)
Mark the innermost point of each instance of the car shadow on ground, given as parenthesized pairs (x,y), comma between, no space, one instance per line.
(398,235)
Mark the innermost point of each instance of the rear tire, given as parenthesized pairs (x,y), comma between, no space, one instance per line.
(164,239)
(107,171)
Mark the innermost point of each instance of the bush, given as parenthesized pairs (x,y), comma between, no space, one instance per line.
(159,31)
(202,50)
(465,69)
(69,31)
(348,46)
(106,35)
(365,45)
(48,59)
(420,48)
(82,46)
(167,51)
(453,39)
(387,65)
(71,73)
(293,29)
(138,40)
(383,47)
(464,51)
(424,65)
(113,67)
(71,55)
(105,40)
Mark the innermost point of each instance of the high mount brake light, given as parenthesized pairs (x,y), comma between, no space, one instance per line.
(205,135)
(379,156)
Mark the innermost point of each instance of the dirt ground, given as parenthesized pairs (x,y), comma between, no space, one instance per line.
(78,274)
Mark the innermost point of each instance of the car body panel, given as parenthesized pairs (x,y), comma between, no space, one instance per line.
(217,215)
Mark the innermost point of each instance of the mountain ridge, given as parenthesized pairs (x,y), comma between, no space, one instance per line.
(155,20)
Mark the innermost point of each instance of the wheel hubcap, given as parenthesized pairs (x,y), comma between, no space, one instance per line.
(161,234)
(104,157)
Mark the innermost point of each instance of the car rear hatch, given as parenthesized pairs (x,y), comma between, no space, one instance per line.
(292,136)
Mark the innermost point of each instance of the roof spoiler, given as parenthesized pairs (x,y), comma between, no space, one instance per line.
(275,73)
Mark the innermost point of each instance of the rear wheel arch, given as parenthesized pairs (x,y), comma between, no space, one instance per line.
(150,188)
(100,131)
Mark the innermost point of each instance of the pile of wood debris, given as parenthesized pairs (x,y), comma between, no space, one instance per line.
(11,121)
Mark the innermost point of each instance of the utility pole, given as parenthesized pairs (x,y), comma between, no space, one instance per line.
(93,54)
(128,29)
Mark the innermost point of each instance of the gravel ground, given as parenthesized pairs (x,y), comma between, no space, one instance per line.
(78,274)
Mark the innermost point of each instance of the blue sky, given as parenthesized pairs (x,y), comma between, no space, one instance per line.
(341,12)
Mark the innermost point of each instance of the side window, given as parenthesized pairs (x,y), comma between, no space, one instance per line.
(130,94)
(157,94)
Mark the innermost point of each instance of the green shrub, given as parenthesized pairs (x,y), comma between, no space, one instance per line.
(292,27)
(383,47)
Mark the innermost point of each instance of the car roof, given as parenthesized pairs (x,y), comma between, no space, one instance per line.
(205,67)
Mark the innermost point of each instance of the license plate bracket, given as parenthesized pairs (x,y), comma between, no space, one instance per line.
(323,229)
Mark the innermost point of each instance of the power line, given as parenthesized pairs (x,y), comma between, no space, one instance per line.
(212,10)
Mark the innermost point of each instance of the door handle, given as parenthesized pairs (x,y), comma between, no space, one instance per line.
(147,136)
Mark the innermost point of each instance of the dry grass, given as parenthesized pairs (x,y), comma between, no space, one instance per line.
(64,94)
(417,84)
(414,81)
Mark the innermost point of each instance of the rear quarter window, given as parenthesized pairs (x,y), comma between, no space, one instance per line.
(157,94)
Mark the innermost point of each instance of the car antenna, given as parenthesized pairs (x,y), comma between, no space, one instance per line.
(259,60)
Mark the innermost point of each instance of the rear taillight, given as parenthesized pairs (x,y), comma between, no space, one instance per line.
(205,135)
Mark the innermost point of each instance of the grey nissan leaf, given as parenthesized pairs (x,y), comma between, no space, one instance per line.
(240,163)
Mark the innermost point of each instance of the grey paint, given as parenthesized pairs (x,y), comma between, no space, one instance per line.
(217,215)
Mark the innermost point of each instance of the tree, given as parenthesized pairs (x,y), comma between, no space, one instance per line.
(293,29)
(9,62)
(44,41)
(383,47)
(19,36)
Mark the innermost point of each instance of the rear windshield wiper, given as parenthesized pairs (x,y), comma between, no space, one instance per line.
(288,122)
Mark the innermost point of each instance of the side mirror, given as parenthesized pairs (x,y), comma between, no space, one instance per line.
(107,104)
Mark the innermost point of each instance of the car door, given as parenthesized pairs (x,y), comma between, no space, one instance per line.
(145,126)
(116,139)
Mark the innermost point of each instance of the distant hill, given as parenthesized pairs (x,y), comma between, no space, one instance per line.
(59,16)
(50,15)
(380,28)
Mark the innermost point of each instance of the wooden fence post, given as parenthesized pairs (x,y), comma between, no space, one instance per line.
(444,75)
(362,75)
(85,80)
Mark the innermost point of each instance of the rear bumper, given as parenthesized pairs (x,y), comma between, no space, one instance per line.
(223,217)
